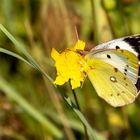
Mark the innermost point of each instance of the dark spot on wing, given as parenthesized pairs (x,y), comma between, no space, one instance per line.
(124,78)
(134,41)
(118,94)
(115,69)
(126,84)
(113,79)
(127,65)
(125,73)
(108,56)
(117,47)
(111,94)
(125,70)
(123,92)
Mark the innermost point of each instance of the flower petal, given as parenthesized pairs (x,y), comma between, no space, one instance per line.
(70,65)
(54,54)
(60,80)
(75,83)
(80,45)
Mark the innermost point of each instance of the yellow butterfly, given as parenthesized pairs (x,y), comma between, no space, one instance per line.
(114,70)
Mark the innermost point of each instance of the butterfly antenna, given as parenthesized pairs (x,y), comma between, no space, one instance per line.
(76,33)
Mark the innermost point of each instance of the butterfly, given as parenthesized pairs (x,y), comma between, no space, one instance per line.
(114,70)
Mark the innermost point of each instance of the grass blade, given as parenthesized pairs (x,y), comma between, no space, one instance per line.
(15,55)
(93,134)
(22,49)
(15,96)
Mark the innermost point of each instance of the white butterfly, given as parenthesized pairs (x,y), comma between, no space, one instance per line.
(115,68)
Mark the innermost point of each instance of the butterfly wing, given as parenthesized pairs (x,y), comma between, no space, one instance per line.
(111,85)
(130,43)
(122,60)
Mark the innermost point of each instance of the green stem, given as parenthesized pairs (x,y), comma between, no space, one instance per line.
(76,100)
(78,106)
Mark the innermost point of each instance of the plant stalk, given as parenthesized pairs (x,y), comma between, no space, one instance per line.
(78,106)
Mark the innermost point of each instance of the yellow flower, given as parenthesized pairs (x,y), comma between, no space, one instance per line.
(70,65)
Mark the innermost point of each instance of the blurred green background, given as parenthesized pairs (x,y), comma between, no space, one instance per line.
(30,107)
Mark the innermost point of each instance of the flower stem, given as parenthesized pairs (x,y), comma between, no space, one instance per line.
(78,106)
(76,100)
